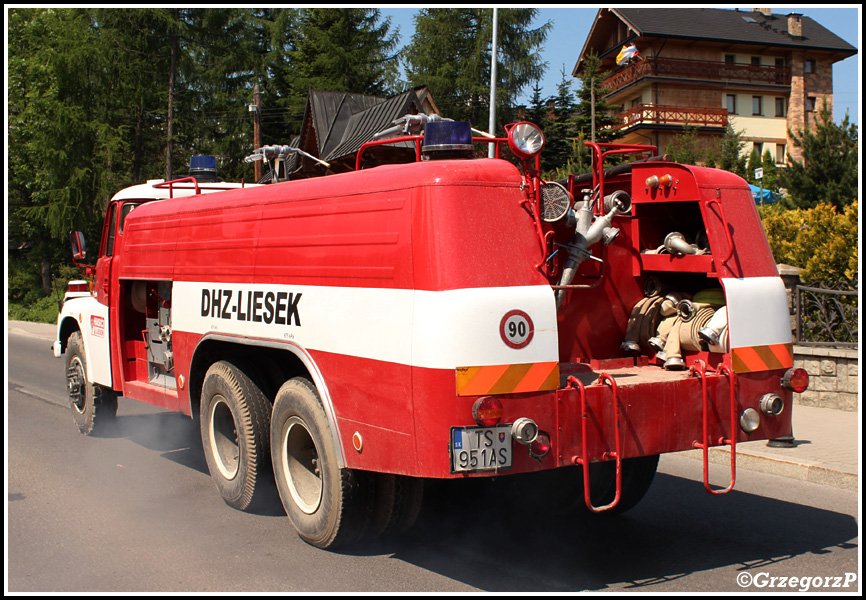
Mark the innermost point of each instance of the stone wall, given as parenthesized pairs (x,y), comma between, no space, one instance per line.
(833,377)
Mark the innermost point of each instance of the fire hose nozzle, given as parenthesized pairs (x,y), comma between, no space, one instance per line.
(676,244)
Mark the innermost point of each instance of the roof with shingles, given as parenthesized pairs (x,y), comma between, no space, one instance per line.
(362,125)
(336,124)
(717,25)
(746,27)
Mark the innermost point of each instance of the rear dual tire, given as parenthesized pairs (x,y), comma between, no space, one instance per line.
(235,424)
(330,506)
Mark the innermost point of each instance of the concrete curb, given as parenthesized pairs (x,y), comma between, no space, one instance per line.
(46,331)
(802,470)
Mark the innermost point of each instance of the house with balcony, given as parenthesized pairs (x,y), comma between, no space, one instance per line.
(707,67)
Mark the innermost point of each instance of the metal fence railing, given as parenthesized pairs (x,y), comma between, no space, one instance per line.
(826,316)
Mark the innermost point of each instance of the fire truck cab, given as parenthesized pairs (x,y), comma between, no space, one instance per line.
(355,334)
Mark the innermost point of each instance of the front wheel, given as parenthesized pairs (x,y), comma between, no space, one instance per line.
(93,406)
(327,505)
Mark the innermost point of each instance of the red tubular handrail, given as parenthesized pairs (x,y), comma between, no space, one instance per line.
(170,185)
(701,369)
(584,460)
(727,229)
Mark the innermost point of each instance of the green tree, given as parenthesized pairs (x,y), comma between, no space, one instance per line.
(828,171)
(683,147)
(771,173)
(345,50)
(537,110)
(560,131)
(755,163)
(730,157)
(592,77)
(59,142)
(450,52)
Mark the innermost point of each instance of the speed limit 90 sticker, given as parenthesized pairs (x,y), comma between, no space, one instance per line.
(516,329)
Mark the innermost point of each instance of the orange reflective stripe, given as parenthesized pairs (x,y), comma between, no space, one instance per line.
(476,381)
(762,358)
(507,379)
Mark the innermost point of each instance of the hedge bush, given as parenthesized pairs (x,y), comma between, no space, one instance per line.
(819,240)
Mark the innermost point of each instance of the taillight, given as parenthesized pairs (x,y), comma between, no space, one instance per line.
(540,447)
(487,411)
(796,380)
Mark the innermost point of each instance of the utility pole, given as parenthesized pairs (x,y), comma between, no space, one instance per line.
(169,142)
(256,106)
(492,128)
(592,107)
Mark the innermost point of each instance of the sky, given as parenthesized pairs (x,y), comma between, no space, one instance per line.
(571,27)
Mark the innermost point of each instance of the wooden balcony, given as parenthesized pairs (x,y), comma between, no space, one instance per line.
(646,115)
(704,70)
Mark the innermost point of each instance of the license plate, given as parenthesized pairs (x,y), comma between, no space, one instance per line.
(480,448)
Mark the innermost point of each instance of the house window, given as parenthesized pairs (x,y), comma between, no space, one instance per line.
(729,59)
(756,61)
(636,101)
(757,105)
(780,107)
(810,65)
(732,104)
(780,154)
(810,104)
(759,148)
(780,63)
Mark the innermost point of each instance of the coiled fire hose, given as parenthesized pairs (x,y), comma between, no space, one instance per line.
(645,318)
(679,323)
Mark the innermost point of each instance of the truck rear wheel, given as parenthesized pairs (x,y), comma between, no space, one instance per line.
(93,406)
(235,424)
(397,505)
(327,505)
(637,476)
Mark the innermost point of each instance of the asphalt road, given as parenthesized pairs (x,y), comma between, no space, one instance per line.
(135,511)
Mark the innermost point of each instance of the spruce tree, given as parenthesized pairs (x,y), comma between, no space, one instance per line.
(592,77)
(450,53)
(828,171)
(343,50)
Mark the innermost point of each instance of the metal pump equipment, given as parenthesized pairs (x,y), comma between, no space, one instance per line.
(589,232)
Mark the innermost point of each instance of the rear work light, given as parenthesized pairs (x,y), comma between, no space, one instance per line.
(796,380)
(487,411)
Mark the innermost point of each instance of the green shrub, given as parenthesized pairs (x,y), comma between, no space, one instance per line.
(818,240)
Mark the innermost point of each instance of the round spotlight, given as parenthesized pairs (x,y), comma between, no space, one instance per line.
(525,140)
(750,420)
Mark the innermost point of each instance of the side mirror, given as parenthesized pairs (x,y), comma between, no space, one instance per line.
(79,247)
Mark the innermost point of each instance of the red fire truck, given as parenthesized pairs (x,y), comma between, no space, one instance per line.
(451,317)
